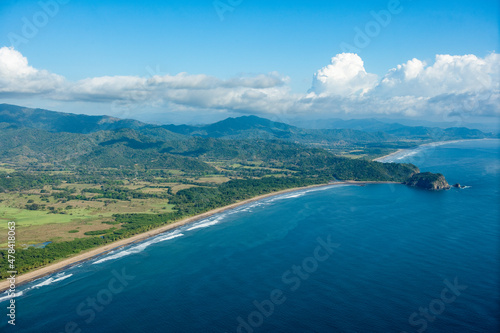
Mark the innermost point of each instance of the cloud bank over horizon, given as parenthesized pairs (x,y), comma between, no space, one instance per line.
(464,85)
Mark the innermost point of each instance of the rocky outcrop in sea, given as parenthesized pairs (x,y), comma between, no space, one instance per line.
(429,181)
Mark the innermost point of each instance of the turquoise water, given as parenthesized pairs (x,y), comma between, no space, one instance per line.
(379,258)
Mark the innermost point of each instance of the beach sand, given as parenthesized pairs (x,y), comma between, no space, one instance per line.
(394,153)
(91,253)
(436,143)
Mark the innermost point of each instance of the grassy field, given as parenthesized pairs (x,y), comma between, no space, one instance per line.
(213,180)
(62,219)
(24,217)
(66,211)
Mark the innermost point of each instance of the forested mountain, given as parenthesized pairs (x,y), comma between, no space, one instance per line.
(128,149)
(333,133)
(250,127)
(62,122)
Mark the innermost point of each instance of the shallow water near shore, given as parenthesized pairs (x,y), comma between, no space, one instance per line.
(331,259)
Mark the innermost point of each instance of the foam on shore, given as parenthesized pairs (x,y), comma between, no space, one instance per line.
(46,282)
(138,248)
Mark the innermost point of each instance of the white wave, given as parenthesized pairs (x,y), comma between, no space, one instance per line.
(206,223)
(408,154)
(286,196)
(139,248)
(399,156)
(322,188)
(6,296)
(246,208)
(46,282)
(299,193)
(51,280)
(253,205)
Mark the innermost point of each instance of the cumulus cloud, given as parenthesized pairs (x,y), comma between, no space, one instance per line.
(17,77)
(344,76)
(448,75)
(464,84)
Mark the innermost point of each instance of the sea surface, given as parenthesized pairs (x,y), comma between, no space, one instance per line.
(378,258)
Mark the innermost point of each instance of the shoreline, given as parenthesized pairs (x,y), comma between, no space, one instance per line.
(388,155)
(64,264)
(435,143)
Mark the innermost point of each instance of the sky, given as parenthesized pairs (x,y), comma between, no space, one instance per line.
(202,61)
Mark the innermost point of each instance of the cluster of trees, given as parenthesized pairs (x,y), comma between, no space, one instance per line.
(120,193)
(332,167)
(196,200)
(32,257)
(25,181)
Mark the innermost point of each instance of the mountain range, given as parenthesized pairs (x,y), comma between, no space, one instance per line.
(336,132)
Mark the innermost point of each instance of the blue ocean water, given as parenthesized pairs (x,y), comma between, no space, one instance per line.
(378,258)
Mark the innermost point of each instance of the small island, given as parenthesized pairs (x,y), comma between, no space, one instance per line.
(429,181)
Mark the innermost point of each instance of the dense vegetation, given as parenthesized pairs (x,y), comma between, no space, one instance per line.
(23,181)
(428,181)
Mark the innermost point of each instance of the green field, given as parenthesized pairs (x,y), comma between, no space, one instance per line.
(24,217)
(59,219)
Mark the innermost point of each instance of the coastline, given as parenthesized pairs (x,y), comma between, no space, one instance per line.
(435,143)
(96,252)
(393,153)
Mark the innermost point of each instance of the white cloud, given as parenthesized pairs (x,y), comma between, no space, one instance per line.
(345,76)
(200,91)
(467,85)
(448,75)
(17,77)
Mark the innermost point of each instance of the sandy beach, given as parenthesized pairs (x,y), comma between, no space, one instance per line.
(436,143)
(89,254)
(394,153)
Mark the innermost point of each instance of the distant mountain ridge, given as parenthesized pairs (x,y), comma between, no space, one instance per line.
(249,127)
(372,125)
(356,131)
(53,121)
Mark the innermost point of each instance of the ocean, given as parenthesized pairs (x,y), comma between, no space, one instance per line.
(375,258)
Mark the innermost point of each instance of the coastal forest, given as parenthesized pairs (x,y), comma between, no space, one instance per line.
(74,182)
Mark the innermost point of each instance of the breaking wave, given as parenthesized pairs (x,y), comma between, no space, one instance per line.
(46,282)
(139,248)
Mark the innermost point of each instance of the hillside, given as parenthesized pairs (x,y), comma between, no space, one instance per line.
(249,127)
(367,138)
(62,122)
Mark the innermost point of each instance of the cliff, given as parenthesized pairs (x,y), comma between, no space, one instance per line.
(428,181)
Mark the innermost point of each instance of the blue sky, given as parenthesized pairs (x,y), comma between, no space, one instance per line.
(293,40)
